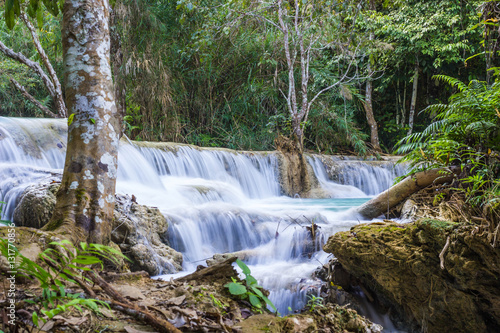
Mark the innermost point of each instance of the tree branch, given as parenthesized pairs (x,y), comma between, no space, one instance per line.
(32,99)
(57,94)
(19,57)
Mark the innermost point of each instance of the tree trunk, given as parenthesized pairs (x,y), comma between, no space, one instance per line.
(413,99)
(399,192)
(85,200)
(370,118)
(119,79)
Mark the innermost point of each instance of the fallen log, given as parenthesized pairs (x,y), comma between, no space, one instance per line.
(399,192)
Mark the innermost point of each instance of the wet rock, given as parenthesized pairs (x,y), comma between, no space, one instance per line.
(36,205)
(409,210)
(221,257)
(400,264)
(137,229)
(300,324)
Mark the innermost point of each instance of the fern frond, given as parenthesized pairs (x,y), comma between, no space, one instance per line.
(451,81)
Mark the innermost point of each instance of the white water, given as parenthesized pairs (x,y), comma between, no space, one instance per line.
(216,201)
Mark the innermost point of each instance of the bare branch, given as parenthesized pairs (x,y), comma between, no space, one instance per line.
(292,98)
(32,99)
(57,91)
(19,57)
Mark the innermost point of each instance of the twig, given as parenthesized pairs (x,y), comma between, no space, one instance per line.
(32,99)
(124,305)
(161,325)
(495,235)
(441,255)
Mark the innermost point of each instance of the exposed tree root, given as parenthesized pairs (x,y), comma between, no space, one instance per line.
(121,303)
(441,255)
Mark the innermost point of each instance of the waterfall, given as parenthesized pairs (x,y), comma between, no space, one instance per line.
(370,176)
(216,200)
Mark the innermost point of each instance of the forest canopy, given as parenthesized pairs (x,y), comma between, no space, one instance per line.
(215,73)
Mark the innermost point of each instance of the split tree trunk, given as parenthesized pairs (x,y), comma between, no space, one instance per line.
(85,200)
(413,99)
(399,192)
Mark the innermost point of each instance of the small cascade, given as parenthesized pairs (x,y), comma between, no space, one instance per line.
(371,177)
(255,174)
(216,200)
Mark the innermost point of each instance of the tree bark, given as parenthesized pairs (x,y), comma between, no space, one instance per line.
(85,200)
(368,105)
(399,192)
(119,80)
(413,99)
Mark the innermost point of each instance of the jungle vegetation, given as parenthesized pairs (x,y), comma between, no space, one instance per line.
(215,73)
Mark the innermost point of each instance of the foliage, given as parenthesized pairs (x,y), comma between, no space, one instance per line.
(211,73)
(314,302)
(12,103)
(61,264)
(465,133)
(250,290)
(438,36)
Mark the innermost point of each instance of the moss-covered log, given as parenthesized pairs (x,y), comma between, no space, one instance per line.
(399,192)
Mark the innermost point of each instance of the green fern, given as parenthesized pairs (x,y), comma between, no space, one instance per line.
(464,132)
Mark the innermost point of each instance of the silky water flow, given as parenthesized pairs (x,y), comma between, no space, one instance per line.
(215,200)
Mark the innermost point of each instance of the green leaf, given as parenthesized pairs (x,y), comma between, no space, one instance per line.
(70,118)
(257,291)
(254,300)
(86,260)
(34,318)
(243,266)
(250,280)
(10,14)
(236,288)
(268,302)
(39,17)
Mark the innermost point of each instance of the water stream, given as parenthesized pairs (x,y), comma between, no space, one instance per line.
(216,201)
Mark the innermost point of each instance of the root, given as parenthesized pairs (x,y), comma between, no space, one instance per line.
(121,303)
(441,255)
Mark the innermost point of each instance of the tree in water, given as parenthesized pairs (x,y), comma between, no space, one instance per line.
(85,200)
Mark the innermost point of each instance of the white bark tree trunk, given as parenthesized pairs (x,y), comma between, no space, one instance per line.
(413,99)
(85,200)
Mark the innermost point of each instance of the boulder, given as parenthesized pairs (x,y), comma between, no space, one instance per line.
(400,265)
(137,229)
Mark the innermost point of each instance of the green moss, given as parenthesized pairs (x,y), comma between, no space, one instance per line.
(436,224)
(54,224)
(80,193)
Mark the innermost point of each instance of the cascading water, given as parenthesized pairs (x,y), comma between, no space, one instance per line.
(216,201)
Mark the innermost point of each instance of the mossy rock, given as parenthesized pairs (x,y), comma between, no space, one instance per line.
(401,265)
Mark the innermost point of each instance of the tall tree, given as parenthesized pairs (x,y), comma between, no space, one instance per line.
(368,104)
(85,200)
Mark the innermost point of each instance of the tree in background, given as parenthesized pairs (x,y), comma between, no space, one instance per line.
(85,200)
(426,35)
(368,103)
